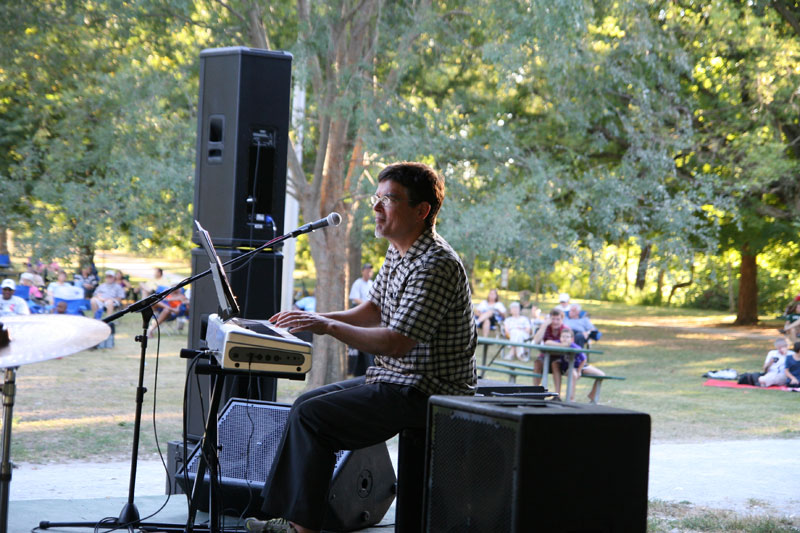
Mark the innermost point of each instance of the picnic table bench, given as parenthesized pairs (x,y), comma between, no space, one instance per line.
(515,370)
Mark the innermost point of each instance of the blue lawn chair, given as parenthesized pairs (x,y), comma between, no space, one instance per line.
(74,307)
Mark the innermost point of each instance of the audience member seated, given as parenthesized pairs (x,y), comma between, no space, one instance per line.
(107,296)
(31,293)
(792,370)
(86,280)
(489,314)
(517,328)
(792,326)
(173,307)
(29,280)
(60,289)
(550,330)
(563,302)
(148,287)
(122,280)
(775,365)
(60,308)
(34,271)
(536,317)
(51,271)
(9,304)
(581,326)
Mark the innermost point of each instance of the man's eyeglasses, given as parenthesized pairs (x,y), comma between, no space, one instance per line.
(385,200)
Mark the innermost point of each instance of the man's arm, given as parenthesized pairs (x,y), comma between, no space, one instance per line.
(358,327)
(365,314)
(537,338)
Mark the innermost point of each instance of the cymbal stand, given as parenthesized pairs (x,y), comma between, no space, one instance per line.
(9,390)
(129,516)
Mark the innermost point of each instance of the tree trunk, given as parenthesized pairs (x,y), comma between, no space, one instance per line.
(85,255)
(747,310)
(641,270)
(3,240)
(329,354)
(731,289)
(659,286)
(353,253)
(625,270)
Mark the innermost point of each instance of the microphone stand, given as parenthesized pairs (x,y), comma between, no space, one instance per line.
(129,516)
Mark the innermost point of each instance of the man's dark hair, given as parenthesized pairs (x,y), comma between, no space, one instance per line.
(422,183)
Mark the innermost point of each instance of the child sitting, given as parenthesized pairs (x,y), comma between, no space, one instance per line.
(579,368)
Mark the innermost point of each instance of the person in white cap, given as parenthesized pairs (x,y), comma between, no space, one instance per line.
(563,302)
(10,304)
(108,295)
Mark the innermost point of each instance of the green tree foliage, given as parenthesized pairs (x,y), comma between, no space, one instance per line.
(742,90)
(99,129)
(557,126)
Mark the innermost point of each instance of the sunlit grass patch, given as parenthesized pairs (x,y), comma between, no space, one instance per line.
(666,517)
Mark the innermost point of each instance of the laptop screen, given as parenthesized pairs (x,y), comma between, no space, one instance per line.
(228,307)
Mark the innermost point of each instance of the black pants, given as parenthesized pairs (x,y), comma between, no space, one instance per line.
(347,415)
(581,337)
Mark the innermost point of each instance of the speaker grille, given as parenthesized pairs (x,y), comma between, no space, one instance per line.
(464,493)
(249,434)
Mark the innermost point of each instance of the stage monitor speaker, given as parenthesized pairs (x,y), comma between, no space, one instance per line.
(526,465)
(242,140)
(257,288)
(249,433)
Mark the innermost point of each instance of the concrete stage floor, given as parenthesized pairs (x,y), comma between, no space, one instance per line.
(25,515)
(705,474)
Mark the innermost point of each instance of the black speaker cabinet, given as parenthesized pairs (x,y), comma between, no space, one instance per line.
(527,465)
(257,288)
(242,138)
(362,486)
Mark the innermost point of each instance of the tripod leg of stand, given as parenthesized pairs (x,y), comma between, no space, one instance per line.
(5,466)
(129,516)
(208,459)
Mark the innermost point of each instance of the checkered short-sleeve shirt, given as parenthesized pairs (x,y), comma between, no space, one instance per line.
(425,296)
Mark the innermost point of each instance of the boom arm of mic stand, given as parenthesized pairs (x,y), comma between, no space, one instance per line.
(154,298)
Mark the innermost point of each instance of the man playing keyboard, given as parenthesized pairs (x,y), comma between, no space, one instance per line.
(417,320)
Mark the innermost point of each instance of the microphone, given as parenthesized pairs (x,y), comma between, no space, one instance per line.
(334,219)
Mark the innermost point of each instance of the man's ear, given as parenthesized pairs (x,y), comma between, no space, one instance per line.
(423,209)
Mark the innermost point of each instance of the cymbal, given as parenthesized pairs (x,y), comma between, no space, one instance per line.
(36,338)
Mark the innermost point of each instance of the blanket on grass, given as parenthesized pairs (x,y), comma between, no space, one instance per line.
(733,385)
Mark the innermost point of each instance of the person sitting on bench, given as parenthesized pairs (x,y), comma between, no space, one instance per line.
(517,328)
(580,324)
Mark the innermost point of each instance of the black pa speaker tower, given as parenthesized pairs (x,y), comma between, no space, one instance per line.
(242,139)
(254,285)
(524,465)
(240,191)
(249,433)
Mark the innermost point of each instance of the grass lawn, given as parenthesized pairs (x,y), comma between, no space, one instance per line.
(663,353)
(82,406)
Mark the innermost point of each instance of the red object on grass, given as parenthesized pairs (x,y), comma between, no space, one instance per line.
(730,384)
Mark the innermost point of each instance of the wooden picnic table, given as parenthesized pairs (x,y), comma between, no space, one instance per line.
(546,349)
